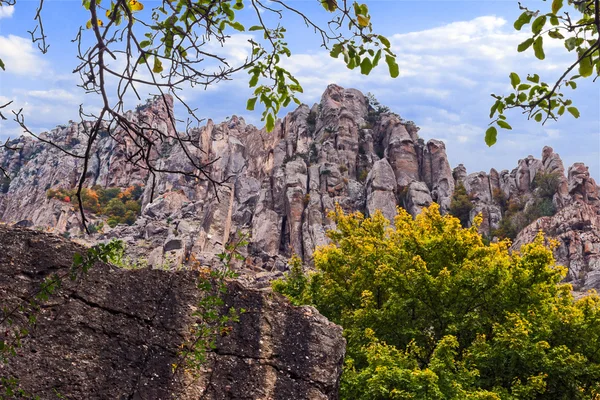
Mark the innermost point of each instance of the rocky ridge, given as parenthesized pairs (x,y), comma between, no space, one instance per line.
(280,184)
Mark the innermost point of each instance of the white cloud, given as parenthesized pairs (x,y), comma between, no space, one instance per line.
(6,11)
(55,95)
(552,133)
(449,131)
(21,57)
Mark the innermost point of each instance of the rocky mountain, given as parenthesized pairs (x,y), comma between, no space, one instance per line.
(116,334)
(281,184)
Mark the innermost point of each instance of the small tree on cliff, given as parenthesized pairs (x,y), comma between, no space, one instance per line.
(461,205)
(431,312)
(176,46)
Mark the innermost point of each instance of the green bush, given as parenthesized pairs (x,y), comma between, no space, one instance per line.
(461,205)
(431,312)
(121,206)
(293,286)
(95,227)
(116,208)
(516,216)
(546,184)
(362,177)
(500,198)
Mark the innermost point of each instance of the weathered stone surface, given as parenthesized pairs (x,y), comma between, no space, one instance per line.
(582,186)
(442,181)
(577,229)
(381,190)
(554,165)
(417,197)
(115,334)
(401,153)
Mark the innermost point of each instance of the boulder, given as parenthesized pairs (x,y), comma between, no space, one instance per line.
(116,334)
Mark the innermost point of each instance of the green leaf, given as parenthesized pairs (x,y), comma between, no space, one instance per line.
(538,117)
(522,20)
(237,26)
(555,34)
(571,43)
(491,136)
(336,50)
(377,58)
(393,66)
(143,58)
(329,5)
(535,78)
(145,43)
(351,63)
(253,80)
(525,45)
(77,259)
(561,110)
(2,65)
(538,48)
(366,66)
(556,6)
(251,103)
(270,122)
(157,68)
(503,124)
(494,108)
(586,67)
(384,41)
(363,21)
(574,111)
(255,28)
(239,5)
(523,86)
(538,24)
(554,20)
(514,79)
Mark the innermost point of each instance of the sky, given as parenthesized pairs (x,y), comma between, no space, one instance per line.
(452,56)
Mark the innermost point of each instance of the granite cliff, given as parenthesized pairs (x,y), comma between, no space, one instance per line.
(281,184)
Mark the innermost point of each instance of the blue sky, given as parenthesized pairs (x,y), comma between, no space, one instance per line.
(452,55)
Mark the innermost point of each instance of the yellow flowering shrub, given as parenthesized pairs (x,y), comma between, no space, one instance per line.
(432,312)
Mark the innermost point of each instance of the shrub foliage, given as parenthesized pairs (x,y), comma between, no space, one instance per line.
(522,211)
(431,312)
(461,205)
(120,206)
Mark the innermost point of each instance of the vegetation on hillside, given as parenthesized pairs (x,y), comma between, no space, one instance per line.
(120,206)
(461,204)
(519,212)
(431,312)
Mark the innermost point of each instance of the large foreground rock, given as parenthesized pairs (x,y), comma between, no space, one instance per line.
(115,334)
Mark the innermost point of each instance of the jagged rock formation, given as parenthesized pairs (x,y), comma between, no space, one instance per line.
(485,189)
(280,184)
(115,334)
(577,230)
(576,224)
